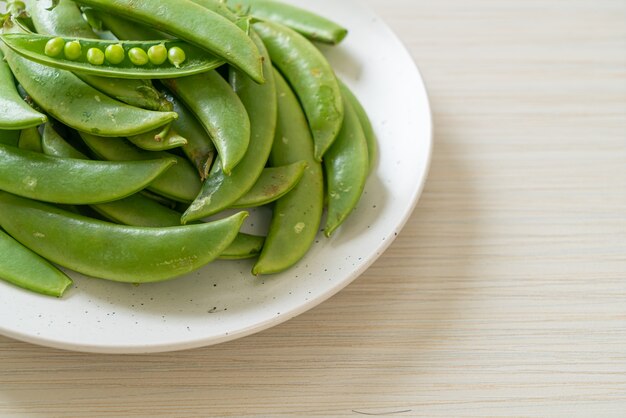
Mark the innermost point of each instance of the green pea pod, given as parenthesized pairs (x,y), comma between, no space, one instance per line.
(180,183)
(220,111)
(347,167)
(311,77)
(71,181)
(10,137)
(24,268)
(194,24)
(274,183)
(33,46)
(66,20)
(311,25)
(297,216)
(128,30)
(30,140)
(218,7)
(199,149)
(54,145)
(220,190)
(14,112)
(243,247)
(366,124)
(159,140)
(115,252)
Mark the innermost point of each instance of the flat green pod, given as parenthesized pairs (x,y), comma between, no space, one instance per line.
(115,252)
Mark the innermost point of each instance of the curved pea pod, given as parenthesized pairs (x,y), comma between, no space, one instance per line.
(128,30)
(22,267)
(220,111)
(243,247)
(180,183)
(54,145)
(14,112)
(199,148)
(10,137)
(194,24)
(71,181)
(78,105)
(66,20)
(32,46)
(311,25)
(347,166)
(366,124)
(311,77)
(297,216)
(159,140)
(115,252)
(220,191)
(30,140)
(274,183)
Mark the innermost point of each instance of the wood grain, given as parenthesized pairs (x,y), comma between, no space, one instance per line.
(504,296)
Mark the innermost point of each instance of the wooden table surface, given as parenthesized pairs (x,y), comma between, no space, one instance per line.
(504,296)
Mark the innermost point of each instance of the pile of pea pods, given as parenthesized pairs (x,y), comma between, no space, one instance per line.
(125,125)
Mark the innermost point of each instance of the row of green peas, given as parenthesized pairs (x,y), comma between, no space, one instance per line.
(115,53)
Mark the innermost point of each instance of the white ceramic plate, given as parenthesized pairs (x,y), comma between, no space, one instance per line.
(223,301)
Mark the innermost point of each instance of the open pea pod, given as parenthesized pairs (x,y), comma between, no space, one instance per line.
(14,112)
(71,181)
(33,47)
(22,267)
(115,252)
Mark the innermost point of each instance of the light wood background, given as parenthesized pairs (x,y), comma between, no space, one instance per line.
(504,296)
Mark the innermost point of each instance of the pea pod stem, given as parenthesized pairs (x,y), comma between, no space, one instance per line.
(195,24)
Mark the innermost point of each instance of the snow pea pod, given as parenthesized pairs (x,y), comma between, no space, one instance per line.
(180,183)
(129,30)
(71,181)
(297,216)
(366,124)
(311,25)
(24,268)
(220,191)
(10,137)
(243,247)
(30,140)
(14,112)
(347,166)
(115,252)
(312,79)
(199,149)
(220,111)
(66,20)
(54,145)
(33,47)
(274,183)
(194,24)
(159,140)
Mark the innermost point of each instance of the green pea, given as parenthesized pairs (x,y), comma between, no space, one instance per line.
(176,56)
(157,54)
(72,50)
(114,54)
(95,56)
(54,47)
(138,56)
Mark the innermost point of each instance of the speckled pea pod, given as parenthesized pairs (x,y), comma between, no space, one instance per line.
(347,166)
(66,20)
(311,77)
(366,124)
(14,112)
(115,252)
(220,191)
(180,183)
(65,97)
(297,216)
(311,25)
(194,24)
(22,267)
(30,140)
(274,183)
(163,139)
(10,137)
(199,148)
(220,111)
(69,181)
